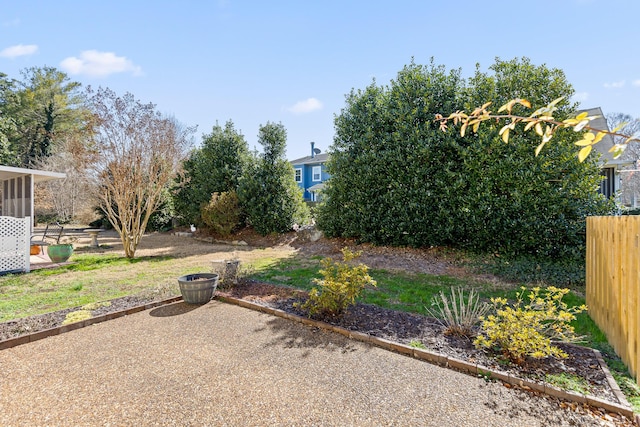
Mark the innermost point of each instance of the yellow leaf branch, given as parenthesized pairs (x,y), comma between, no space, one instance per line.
(541,117)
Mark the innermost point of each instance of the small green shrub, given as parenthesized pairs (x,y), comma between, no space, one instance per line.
(417,344)
(458,314)
(77,316)
(222,214)
(527,330)
(342,282)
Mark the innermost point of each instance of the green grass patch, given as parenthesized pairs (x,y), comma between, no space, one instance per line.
(90,279)
(569,382)
(293,271)
(406,292)
(629,387)
(565,273)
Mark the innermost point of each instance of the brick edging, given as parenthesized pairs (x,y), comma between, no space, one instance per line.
(457,364)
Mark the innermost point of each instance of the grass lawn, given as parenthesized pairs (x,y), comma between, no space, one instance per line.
(100,277)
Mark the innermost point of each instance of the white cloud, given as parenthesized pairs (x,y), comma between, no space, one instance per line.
(306,106)
(615,85)
(19,50)
(636,83)
(580,96)
(99,64)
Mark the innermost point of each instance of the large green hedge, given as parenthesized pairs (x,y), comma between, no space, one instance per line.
(397,179)
(215,167)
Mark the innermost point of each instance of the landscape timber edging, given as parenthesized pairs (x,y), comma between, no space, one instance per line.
(443,360)
(422,354)
(24,339)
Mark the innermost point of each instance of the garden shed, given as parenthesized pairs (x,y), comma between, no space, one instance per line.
(16,209)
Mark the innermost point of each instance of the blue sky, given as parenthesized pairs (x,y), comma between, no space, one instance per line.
(294,61)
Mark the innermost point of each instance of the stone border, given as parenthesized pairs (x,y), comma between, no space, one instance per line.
(422,354)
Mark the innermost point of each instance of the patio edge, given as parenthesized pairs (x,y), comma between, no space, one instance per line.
(420,354)
(453,363)
(25,339)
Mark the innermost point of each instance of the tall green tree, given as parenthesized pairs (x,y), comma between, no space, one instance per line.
(517,202)
(215,167)
(397,179)
(46,106)
(7,120)
(268,192)
(393,172)
(7,126)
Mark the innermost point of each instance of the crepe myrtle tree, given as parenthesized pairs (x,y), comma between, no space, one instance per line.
(139,153)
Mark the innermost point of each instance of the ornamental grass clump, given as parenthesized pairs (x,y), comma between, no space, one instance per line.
(528,329)
(457,313)
(342,282)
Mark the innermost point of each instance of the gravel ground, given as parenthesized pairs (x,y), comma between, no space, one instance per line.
(220,364)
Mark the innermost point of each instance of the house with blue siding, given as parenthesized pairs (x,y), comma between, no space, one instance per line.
(611,185)
(310,173)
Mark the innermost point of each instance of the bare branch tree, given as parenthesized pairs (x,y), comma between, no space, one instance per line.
(72,195)
(139,153)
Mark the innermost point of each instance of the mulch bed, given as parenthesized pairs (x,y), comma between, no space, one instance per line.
(407,328)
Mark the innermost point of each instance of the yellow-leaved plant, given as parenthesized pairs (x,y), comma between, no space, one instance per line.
(528,330)
(541,121)
(342,282)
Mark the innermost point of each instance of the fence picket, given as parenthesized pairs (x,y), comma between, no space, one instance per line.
(613,279)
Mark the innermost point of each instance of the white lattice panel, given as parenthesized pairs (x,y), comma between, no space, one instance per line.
(14,243)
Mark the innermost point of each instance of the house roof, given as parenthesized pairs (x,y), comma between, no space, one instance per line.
(317,187)
(308,160)
(8,172)
(607,142)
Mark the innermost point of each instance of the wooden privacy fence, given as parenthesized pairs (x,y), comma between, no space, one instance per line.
(613,283)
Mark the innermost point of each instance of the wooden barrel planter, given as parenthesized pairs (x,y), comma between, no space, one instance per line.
(198,288)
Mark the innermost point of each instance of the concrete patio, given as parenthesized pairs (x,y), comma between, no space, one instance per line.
(220,364)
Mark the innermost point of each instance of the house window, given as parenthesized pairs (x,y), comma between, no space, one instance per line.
(298,175)
(607,185)
(316,173)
